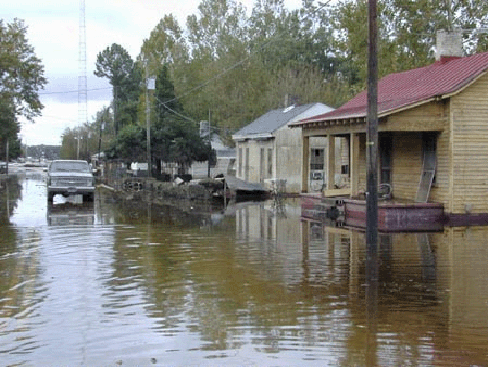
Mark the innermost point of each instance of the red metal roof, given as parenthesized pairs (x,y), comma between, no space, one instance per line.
(407,89)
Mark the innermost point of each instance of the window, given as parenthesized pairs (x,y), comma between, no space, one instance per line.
(270,162)
(317,159)
(240,162)
(247,164)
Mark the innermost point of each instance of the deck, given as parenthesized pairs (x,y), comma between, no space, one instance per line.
(393,216)
(396,216)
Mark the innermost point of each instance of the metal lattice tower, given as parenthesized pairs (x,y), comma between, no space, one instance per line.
(82,88)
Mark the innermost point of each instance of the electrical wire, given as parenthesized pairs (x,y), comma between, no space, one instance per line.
(273,39)
(72,91)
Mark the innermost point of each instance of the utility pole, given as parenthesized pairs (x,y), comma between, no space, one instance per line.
(100,142)
(372,137)
(6,160)
(371,275)
(449,15)
(210,144)
(116,127)
(149,86)
(82,84)
(78,138)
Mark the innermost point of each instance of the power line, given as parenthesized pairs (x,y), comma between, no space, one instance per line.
(273,39)
(73,91)
(173,111)
(202,85)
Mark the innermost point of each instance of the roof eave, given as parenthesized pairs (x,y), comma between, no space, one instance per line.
(263,136)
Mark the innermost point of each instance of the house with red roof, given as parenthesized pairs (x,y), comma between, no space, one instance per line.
(433,134)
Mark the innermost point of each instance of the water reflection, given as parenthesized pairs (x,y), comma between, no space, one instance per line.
(67,214)
(252,284)
(10,192)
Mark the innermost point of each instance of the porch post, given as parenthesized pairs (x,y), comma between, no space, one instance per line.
(330,162)
(305,162)
(354,168)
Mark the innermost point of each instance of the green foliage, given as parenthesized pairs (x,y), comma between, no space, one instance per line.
(125,77)
(130,144)
(230,67)
(165,98)
(21,78)
(173,138)
(407,32)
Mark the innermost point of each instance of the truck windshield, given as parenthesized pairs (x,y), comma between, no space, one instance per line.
(81,167)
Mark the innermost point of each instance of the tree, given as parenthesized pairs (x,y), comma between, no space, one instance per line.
(164,95)
(175,137)
(125,77)
(21,78)
(130,144)
(407,32)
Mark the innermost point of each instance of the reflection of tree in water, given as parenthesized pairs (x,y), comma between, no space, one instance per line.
(179,213)
(154,254)
(18,264)
(10,191)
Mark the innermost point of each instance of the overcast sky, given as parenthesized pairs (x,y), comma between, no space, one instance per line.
(53,30)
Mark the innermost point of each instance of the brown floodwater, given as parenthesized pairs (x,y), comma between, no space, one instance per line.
(124,284)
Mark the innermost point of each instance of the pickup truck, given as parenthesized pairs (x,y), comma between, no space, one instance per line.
(70,177)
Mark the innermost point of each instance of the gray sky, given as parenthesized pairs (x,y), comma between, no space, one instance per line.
(53,30)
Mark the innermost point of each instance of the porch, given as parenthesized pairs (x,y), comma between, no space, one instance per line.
(407,189)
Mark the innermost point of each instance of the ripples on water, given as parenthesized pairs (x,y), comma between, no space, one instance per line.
(100,285)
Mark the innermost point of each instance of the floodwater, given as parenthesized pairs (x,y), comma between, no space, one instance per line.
(114,284)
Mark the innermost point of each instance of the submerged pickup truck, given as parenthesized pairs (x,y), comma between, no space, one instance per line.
(70,177)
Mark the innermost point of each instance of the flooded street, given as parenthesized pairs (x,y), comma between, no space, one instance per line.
(111,284)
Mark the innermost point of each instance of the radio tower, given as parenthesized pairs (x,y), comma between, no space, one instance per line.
(82,99)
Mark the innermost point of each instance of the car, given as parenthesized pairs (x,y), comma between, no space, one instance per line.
(70,177)
(3,167)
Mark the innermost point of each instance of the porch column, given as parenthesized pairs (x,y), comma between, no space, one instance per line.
(330,162)
(305,163)
(354,164)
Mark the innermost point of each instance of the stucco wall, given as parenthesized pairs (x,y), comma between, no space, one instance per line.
(286,145)
(252,162)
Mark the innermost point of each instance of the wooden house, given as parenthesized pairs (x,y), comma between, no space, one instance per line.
(433,137)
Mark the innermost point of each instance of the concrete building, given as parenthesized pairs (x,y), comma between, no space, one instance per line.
(268,150)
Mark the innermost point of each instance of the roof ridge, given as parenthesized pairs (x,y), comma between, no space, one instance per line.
(410,87)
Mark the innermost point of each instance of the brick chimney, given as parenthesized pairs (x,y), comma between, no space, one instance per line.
(449,44)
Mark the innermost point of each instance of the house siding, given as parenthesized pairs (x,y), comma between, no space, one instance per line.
(288,157)
(469,144)
(406,165)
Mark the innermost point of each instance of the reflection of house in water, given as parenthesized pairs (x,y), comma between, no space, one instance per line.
(462,273)
(268,220)
(432,294)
